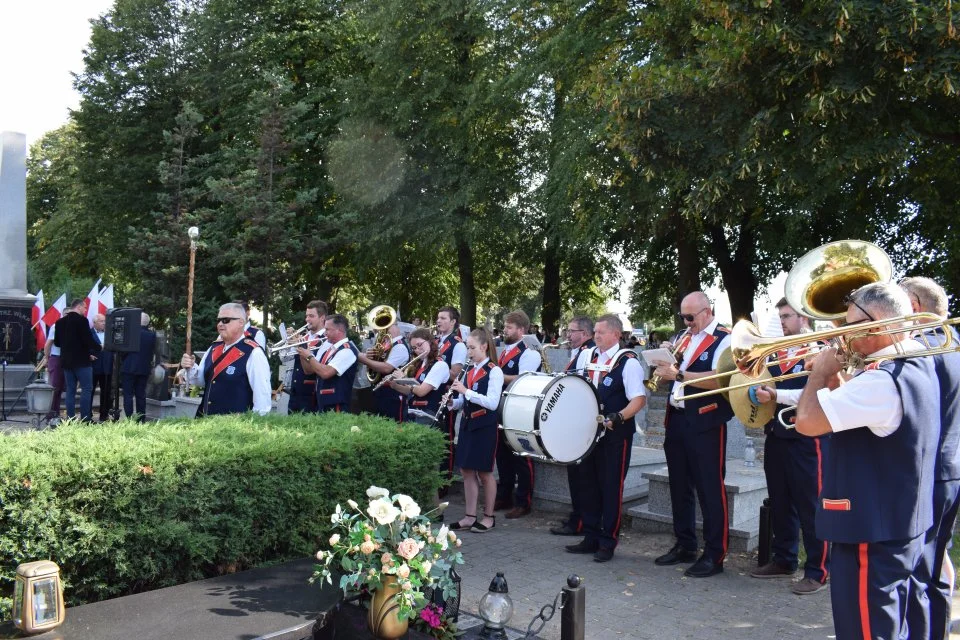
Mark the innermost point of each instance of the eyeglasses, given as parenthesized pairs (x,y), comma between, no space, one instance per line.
(226,320)
(688,317)
(849,300)
(576,330)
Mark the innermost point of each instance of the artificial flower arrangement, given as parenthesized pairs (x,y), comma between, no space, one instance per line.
(391,539)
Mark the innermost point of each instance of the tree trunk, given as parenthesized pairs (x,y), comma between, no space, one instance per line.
(554,207)
(688,264)
(468,292)
(550,316)
(736,270)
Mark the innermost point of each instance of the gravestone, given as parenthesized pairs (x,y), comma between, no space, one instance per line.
(17,346)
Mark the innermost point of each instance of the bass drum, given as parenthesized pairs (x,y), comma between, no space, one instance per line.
(552,417)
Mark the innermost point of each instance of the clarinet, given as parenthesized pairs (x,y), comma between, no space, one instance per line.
(446,397)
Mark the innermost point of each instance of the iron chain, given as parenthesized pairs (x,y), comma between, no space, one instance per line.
(546,614)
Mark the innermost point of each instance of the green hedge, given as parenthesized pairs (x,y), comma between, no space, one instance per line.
(125,507)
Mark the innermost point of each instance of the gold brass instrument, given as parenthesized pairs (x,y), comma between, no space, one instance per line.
(380,318)
(296,336)
(543,356)
(400,372)
(654,381)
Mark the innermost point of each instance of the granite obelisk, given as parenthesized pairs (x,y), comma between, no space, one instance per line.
(17,347)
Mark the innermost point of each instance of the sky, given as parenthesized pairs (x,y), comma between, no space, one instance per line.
(41,44)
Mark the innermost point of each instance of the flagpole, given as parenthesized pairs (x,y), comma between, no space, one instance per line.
(194,233)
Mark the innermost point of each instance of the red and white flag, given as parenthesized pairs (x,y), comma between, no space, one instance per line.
(53,313)
(105,300)
(39,326)
(93,302)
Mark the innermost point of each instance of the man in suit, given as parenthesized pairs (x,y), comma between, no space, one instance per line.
(76,342)
(102,367)
(136,369)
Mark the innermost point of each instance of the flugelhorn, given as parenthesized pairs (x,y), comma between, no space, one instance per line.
(654,381)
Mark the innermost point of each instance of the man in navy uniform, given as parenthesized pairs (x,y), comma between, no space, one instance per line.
(793,465)
(303,385)
(135,370)
(619,383)
(876,504)
(515,472)
(390,403)
(335,365)
(696,441)
(102,367)
(936,571)
(580,336)
(453,350)
(249,330)
(234,371)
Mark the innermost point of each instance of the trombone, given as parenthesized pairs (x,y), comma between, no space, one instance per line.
(299,334)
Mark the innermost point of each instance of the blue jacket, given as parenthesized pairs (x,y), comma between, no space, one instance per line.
(140,363)
(103,365)
(709,412)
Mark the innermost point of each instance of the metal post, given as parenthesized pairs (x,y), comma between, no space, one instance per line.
(573,615)
(766,533)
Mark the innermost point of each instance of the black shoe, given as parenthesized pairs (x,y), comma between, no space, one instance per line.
(501,504)
(676,555)
(603,555)
(583,547)
(565,530)
(704,568)
(456,526)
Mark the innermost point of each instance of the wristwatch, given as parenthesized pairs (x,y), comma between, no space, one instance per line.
(679,376)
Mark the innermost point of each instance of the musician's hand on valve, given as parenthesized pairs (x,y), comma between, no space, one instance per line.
(187,361)
(304,353)
(666,371)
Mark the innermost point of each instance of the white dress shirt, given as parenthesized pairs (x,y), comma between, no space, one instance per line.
(258,374)
(54,350)
(342,360)
(695,341)
(439,374)
(870,399)
(491,400)
(260,338)
(399,354)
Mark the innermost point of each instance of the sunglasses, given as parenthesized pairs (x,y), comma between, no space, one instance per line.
(690,316)
(226,320)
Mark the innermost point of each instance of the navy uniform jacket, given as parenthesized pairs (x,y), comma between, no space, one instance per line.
(338,389)
(226,386)
(947,366)
(140,363)
(430,402)
(103,365)
(878,489)
(511,365)
(446,347)
(612,392)
(575,355)
(709,412)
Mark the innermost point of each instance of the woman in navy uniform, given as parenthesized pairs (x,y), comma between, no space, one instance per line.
(476,450)
(877,499)
(433,374)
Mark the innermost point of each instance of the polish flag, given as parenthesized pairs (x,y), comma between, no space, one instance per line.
(36,317)
(105,300)
(93,302)
(53,313)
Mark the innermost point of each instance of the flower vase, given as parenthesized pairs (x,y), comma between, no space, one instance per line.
(382,617)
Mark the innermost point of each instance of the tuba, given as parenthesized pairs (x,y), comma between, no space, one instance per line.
(380,318)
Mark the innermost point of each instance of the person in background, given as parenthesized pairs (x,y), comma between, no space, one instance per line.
(77,350)
(135,371)
(102,367)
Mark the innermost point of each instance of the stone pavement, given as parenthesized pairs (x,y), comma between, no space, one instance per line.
(630,597)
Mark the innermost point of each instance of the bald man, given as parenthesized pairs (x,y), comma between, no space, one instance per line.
(696,441)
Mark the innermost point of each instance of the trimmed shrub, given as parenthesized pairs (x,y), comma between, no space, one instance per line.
(126,507)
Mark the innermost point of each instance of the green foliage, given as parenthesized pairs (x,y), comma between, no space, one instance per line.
(124,507)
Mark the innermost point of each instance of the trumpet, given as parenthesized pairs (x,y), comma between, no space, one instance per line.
(654,381)
(398,372)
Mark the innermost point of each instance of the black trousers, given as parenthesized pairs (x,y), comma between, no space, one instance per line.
(601,486)
(102,380)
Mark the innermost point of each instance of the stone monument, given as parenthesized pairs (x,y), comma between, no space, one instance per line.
(17,346)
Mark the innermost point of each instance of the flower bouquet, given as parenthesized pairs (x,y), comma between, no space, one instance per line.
(390,541)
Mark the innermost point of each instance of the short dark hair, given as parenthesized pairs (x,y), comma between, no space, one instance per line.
(583,322)
(77,302)
(340,320)
(782,303)
(452,312)
(319,306)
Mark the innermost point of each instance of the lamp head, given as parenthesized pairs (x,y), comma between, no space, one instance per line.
(193,232)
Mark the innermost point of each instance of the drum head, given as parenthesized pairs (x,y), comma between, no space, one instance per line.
(567,418)
(748,413)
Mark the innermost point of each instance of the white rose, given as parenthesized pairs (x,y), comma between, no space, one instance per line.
(443,537)
(408,506)
(383,511)
(353,504)
(426,566)
(334,539)
(337,515)
(375,492)
(403,570)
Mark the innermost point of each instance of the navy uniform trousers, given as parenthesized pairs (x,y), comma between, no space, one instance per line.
(602,474)
(697,461)
(862,589)
(793,470)
(946,500)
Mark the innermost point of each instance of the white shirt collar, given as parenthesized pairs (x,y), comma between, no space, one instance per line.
(480,364)
(710,328)
(612,351)
(338,343)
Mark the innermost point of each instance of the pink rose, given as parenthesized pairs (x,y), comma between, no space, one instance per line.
(408,548)
(403,570)
(386,559)
(367,547)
